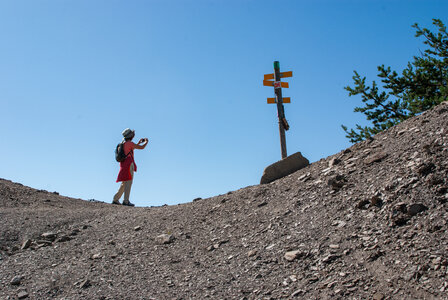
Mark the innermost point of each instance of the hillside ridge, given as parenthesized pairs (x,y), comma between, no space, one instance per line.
(369,222)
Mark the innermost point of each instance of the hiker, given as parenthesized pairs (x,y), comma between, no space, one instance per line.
(128,166)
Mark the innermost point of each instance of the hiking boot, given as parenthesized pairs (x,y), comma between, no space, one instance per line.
(116,202)
(127,203)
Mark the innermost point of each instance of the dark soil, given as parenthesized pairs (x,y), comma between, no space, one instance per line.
(367,223)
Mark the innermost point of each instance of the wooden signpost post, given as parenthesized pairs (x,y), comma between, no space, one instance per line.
(278,85)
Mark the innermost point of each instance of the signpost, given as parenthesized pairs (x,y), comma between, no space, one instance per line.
(279,100)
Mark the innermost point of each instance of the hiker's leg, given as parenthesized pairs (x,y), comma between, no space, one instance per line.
(127,190)
(120,192)
(128,185)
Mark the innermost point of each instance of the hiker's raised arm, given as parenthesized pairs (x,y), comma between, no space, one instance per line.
(141,144)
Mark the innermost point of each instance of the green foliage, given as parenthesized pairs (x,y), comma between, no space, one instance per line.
(421,85)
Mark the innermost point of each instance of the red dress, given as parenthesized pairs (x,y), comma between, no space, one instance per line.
(125,166)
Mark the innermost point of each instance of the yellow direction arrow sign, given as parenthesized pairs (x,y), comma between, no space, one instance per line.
(285,100)
(268,76)
(282,75)
(271,83)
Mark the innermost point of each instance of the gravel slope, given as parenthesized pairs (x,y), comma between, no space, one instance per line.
(369,222)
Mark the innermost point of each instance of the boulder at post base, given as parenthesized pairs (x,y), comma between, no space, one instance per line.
(284,167)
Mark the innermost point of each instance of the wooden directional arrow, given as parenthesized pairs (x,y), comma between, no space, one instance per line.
(285,100)
(282,75)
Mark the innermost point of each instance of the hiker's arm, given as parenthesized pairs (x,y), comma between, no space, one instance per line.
(143,143)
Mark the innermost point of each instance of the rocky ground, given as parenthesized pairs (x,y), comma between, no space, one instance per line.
(367,223)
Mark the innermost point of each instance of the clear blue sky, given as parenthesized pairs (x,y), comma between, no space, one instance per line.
(188,75)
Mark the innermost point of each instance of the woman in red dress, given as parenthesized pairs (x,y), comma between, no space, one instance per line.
(128,166)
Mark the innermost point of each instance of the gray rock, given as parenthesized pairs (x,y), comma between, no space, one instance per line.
(400,220)
(376,201)
(64,238)
(49,236)
(426,168)
(26,244)
(44,243)
(261,204)
(284,167)
(292,255)
(333,162)
(337,182)
(362,204)
(416,208)
(378,296)
(297,293)
(16,280)
(22,295)
(164,239)
(375,158)
(85,284)
(330,258)
(401,207)
(75,232)
(97,256)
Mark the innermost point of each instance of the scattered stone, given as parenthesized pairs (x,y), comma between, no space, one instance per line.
(437,261)
(292,255)
(297,293)
(97,256)
(16,280)
(305,177)
(416,208)
(49,236)
(252,253)
(378,296)
(262,204)
(400,220)
(75,232)
(362,204)
(338,291)
(85,284)
(164,239)
(401,207)
(63,238)
(22,295)
(376,201)
(337,182)
(434,180)
(330,258)
(334,161)
(44,243)
(374,256)
(137,228)
(26,244)
(426,168)
(375,158)
(339,223)
(270,247)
